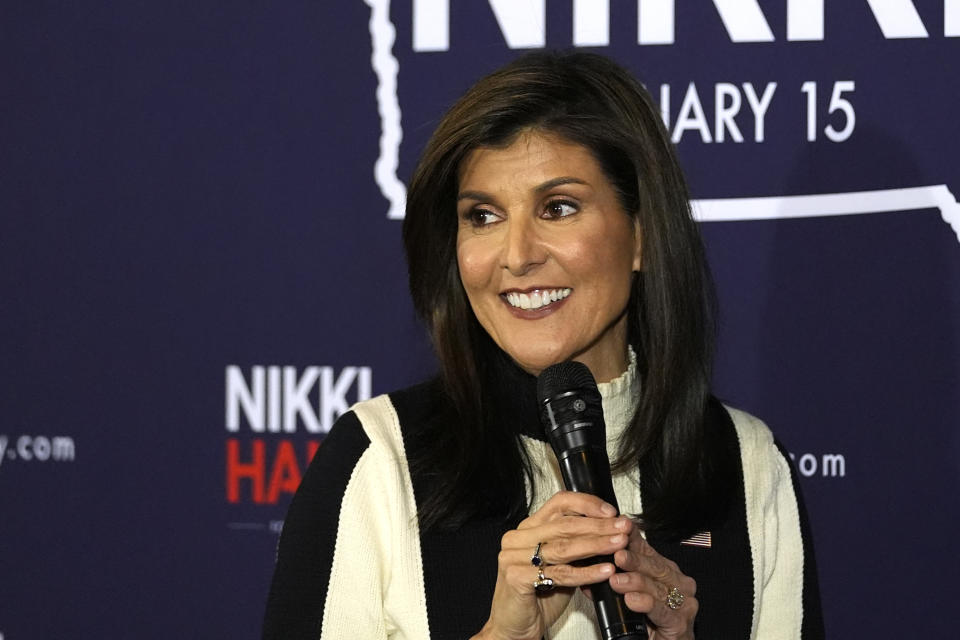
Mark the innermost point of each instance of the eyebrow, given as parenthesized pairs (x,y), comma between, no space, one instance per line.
(540,188)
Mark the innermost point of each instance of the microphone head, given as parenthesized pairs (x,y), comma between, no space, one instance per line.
(562,377)
(571,409)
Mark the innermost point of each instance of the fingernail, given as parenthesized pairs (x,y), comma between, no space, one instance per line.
(608,509)
(617,539)
(619,579)
(621,523)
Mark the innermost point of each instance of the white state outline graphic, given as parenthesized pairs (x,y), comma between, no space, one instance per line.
(386,67)
(382,36)
(831,204)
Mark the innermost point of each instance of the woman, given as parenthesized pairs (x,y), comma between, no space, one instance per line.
(548,220)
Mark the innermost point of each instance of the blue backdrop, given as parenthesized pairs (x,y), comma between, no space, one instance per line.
(200,268)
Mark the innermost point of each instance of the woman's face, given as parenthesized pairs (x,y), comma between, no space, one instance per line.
(546,254)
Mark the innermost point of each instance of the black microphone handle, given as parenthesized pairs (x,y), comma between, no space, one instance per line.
(587,470)
(571,411)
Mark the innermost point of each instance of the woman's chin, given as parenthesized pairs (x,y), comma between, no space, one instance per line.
(534,364)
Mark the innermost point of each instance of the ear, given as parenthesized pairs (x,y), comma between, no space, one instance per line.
(637,246)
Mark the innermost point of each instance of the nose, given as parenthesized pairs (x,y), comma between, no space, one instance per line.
(522,249)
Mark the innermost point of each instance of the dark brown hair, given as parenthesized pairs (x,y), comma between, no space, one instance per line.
(589,100)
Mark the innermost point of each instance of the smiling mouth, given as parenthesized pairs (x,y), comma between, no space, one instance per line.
(535,299)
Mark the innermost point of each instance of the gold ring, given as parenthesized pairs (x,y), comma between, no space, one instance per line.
(542,584)
(674,598)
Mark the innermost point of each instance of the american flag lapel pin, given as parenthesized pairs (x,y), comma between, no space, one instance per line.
(701,539)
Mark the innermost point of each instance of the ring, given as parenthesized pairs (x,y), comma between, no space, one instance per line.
(536,560)
(674,598)
(543,584)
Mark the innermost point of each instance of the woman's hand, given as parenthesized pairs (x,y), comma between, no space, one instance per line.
(568,527)
(647,581)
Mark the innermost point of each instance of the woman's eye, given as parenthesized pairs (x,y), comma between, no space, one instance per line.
(560,209)
(481,217)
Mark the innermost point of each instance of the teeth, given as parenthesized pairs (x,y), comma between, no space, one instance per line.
(536,299)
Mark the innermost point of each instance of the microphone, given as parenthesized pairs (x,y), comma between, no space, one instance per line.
(572,415)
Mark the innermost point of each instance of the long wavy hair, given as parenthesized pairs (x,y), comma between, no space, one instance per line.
(589,100)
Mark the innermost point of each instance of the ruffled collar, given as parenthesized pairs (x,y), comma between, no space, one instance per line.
(620,398)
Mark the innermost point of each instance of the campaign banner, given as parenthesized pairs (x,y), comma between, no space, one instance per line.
(201,270)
